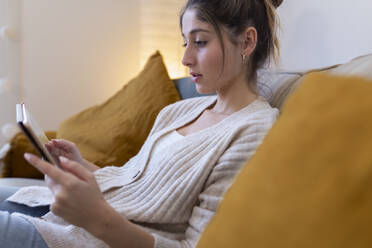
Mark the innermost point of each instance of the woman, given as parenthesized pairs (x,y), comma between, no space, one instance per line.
(166,194)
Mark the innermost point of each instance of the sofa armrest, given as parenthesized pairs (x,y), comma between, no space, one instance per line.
(21,182)
(14,165)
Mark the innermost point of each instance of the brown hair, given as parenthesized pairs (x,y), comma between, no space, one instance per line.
(235,16)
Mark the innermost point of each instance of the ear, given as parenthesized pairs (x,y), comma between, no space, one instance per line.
(249,41)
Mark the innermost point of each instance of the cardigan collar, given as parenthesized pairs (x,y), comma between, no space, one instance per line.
(132,173)
(209,101)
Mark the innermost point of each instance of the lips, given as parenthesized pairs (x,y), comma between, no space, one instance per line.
(195,76)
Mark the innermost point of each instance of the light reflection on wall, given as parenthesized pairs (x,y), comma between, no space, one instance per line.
(160,31)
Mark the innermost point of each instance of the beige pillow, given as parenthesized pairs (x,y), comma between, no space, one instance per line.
(310,182)
(112,132)
(283,84)
(274,86)
(360,66)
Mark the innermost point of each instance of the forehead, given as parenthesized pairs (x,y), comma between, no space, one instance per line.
(190,23)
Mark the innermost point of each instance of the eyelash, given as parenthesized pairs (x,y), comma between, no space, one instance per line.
(198,43)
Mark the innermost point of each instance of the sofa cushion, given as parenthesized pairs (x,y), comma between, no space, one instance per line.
(186,88)
(112,132)
(309,183)
(283,84)
(21,182)
(14,164)
(360,66)
(275,86)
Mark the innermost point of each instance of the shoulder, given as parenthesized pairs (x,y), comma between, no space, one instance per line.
(247,130)
(250,126)
(258,114)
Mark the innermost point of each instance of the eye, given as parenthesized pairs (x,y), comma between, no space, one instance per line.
(184,44)
(200,43)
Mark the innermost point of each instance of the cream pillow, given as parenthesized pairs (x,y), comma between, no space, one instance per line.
(275,86)
(282,84)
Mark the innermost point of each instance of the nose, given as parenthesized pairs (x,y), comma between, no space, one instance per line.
(188,57)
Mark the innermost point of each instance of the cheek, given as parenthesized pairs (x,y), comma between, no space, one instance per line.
(212,62)
(233,63)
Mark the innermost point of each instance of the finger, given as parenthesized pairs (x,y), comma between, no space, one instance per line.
(62,143)
(52,150)
(51,184)
(61,146)
(75,168)
(56,144)
(56,174)
(49,147)
(56,141)
(48,181)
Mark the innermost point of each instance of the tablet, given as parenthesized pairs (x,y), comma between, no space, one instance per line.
(34,133)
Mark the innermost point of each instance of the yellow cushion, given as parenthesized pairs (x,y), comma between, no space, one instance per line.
(310,182)
(14,163)
(113,132)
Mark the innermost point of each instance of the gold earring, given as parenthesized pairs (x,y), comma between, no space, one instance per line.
(244,58)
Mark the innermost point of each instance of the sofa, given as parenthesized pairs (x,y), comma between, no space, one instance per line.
(308,185)
(136,104)
(275,86)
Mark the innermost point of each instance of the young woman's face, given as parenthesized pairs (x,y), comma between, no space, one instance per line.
(204,56)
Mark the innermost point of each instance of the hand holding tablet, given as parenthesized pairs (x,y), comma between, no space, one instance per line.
(34,133)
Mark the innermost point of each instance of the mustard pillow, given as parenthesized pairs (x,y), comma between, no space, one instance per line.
(310,182)
(113,132)
(14,163)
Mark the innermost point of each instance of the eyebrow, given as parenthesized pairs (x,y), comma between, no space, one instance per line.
(197,30)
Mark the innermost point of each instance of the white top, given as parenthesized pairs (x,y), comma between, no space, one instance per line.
(172,195)
(163,145)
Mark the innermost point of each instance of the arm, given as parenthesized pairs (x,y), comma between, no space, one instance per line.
(76,191)
(115,230)
(241,148)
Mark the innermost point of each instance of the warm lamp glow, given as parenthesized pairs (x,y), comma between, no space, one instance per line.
(160,31)
(176,70)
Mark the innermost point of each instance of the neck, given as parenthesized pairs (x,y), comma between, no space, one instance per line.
(237,96)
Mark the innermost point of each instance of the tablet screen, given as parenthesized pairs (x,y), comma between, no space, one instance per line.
(34,133)
(31,123)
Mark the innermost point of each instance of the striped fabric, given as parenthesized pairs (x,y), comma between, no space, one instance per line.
(175,194)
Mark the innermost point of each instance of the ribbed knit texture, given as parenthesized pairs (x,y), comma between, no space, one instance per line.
(174,194)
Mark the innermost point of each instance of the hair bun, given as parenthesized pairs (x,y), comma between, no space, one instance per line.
(276,3)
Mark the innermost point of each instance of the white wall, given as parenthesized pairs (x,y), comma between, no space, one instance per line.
(9,66)
(75,54)
(319,33)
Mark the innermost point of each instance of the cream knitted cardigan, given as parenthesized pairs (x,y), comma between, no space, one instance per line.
(173,195)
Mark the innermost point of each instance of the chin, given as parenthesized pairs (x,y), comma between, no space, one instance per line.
(204,90)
